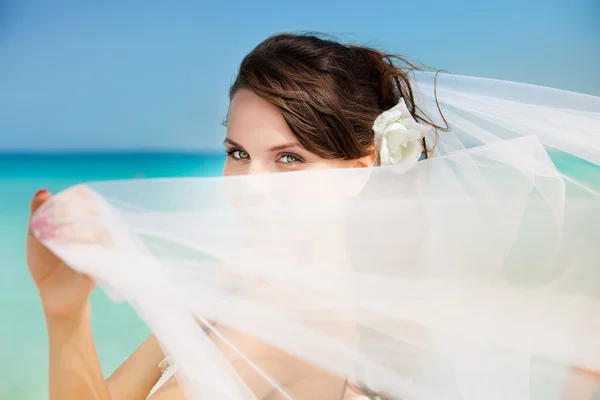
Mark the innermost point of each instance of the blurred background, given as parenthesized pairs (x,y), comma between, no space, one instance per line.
(131,89)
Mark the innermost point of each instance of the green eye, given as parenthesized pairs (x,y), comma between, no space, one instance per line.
(289,158)
(239,154)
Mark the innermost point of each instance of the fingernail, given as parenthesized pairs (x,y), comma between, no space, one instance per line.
(39,192)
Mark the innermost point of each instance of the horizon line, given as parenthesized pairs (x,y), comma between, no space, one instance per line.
(80,152)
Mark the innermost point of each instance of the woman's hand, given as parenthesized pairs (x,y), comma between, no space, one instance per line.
(63,291)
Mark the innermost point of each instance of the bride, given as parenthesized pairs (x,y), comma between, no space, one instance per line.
(299,103)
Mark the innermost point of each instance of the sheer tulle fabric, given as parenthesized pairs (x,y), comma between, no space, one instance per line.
(470,275)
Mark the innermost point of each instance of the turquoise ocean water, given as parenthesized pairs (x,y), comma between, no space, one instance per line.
(118,331)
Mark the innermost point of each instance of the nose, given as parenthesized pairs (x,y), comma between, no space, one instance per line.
(258,189)
(254,190)
(257,168)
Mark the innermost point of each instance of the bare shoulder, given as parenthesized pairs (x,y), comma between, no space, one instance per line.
(305,390)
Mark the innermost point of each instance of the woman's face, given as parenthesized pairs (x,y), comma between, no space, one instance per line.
(260,141)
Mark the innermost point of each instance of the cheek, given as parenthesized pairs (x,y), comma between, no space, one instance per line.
(331,164)
(232,168)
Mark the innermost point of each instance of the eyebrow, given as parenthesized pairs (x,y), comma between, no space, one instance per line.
(281,147)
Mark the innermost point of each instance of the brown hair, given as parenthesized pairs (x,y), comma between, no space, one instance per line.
(329,93)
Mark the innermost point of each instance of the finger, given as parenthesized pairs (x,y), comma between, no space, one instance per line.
(71,211)
(77,191)
(77,233)
(38,199)
(75,202)
(71,205)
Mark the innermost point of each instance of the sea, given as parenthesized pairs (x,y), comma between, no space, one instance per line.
(117,329)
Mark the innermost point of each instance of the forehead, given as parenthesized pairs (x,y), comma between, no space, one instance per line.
(253,121)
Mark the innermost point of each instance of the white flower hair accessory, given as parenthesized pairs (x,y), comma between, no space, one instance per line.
(398,136)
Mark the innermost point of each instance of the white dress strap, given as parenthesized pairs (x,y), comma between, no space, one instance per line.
(167,369)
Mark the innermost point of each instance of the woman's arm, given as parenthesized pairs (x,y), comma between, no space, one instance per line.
(75,372)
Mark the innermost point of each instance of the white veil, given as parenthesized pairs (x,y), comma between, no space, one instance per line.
(471,275)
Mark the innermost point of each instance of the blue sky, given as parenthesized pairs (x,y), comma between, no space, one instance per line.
(149,75)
